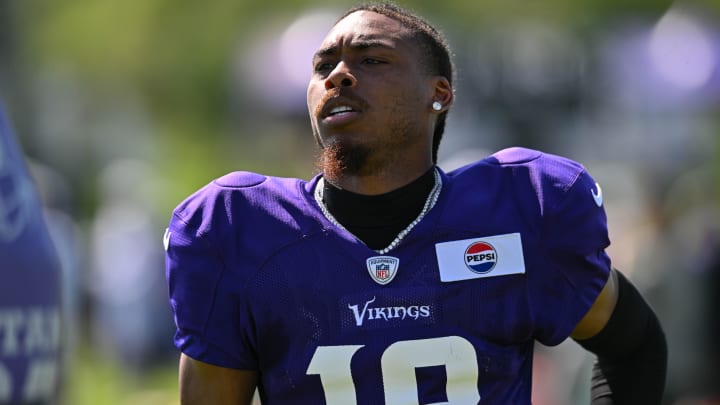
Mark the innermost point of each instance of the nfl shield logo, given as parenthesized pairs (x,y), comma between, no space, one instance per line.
(382,269)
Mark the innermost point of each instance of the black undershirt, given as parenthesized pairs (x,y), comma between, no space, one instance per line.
(378,219)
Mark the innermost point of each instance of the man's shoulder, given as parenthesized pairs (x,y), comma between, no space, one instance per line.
(538,159)
(243,185)
(544,169)
(532,175)
(514,156)
(242,196)
(240,179)
(524,161)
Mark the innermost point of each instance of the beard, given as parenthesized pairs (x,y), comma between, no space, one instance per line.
(341,159)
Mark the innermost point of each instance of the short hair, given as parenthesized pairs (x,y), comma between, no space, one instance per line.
(438,59)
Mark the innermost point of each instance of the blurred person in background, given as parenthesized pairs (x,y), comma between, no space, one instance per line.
(30,343)
(385,279)
(130,316)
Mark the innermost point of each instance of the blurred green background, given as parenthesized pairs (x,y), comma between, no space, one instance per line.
(126,107)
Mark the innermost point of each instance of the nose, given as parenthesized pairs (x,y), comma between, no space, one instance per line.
(340,77)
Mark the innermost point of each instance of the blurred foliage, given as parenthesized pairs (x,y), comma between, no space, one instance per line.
(95,381)
(177,54)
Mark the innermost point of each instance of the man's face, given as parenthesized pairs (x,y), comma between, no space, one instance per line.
(369,94)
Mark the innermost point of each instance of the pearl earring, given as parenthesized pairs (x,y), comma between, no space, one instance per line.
(436,106)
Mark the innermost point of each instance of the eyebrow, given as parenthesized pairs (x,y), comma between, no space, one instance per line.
(355,46)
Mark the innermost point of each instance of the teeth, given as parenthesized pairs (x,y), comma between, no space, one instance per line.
(340,109)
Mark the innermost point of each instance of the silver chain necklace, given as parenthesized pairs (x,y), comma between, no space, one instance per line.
(429,204)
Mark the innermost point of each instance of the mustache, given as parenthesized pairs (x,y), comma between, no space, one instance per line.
(338,92)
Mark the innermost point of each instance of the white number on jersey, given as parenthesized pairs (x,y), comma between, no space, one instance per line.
(398,363)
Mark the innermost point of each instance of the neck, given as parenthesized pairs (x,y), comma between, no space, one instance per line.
(378,219)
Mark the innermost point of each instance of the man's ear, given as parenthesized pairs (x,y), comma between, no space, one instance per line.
(443,93)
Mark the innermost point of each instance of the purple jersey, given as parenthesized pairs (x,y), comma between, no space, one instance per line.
(512,252)
(30,286)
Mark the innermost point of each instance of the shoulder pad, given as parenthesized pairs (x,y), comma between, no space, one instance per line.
(240,180)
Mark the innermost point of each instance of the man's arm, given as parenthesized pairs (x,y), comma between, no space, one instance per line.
(600,312)
(203,383)
(624,333)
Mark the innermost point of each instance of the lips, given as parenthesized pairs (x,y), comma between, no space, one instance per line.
(337,107)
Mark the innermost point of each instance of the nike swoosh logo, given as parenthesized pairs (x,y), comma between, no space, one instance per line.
(166,238)
(597,196)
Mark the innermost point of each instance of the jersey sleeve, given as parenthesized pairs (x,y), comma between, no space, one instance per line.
(205,295)
(574,240)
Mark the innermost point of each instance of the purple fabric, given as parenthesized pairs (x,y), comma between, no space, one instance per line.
(260,279)
(30,287)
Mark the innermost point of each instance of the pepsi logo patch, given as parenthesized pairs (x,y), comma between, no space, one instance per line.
(485,256)
(480,257)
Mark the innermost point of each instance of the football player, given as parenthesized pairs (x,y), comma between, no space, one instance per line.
(385,280)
